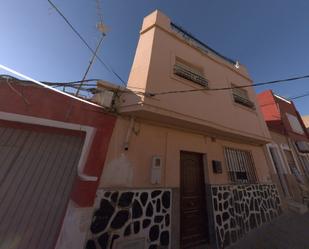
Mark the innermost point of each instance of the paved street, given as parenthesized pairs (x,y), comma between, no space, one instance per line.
(290,231)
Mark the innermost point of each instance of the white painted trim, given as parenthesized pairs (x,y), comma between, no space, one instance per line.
(283,165)
(269,146)
(90,131)
(285,168)
(282,148)
(283,158)
(279,97)
(46,86)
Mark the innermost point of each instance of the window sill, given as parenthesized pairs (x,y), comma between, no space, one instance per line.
(253,110)
(189,83)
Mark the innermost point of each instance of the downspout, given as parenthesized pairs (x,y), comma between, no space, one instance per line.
(129,133)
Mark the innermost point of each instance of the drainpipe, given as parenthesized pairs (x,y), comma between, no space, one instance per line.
(129,133)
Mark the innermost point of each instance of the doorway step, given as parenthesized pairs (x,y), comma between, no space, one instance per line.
(297,207)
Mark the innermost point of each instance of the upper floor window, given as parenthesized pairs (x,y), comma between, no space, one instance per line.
(240,165)
(189,72)
(295,124)
(240,96)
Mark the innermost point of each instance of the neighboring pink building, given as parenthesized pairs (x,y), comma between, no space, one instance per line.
(183,169)
(52,151)
(289,150)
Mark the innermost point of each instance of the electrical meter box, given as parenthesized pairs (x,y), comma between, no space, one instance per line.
(156,169)
(217,167)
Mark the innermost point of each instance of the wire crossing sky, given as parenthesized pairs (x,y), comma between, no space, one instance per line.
(269,37)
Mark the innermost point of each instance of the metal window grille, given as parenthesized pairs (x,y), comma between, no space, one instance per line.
(189,75)
(241,97)
(240,165)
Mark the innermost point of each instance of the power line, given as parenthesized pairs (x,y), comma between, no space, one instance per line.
(68,82)
(197,90)
(168,92)
(109,68)
(78,82)
(299,96)
(229,88)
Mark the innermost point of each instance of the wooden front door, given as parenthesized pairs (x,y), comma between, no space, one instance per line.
(194,221)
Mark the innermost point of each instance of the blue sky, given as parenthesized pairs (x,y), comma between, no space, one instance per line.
(270,37)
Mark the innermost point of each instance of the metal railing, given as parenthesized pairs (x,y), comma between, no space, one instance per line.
(187,36)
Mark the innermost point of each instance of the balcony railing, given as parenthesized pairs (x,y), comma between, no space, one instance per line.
(189,75)
(201,45)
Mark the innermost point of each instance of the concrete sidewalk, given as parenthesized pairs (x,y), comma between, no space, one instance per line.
(289,231)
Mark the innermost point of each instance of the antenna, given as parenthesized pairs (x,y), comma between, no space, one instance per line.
(102,29)
(100,25)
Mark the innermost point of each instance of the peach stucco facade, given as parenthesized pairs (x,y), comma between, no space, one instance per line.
(208,111)
(132,168)
(179,162)
(204,121)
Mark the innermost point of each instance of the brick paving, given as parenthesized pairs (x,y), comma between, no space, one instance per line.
(289,231)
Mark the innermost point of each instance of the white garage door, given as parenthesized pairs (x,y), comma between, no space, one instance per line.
(37,170)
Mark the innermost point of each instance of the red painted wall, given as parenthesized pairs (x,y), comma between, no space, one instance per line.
(41,102)
(270,111)
(274,111)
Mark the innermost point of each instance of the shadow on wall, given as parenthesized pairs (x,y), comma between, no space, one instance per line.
(118,172)
(276,125)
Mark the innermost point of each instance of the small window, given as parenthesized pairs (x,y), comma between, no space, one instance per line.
(240,96)
(295,124)
(189,72)
(240,165)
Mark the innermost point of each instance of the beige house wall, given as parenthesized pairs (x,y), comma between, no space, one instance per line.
(215,111)
(202,121)
(132,168)
(278,138)
(151,124)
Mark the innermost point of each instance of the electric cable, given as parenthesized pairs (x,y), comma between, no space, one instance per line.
(76,83)
(229,88)
(109,68)
(299,96)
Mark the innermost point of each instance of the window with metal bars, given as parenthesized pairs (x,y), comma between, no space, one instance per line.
(240,96)
(189,72)
(240,165)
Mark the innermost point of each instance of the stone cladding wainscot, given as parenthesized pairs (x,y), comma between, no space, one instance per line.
(128,215)
(239,208)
